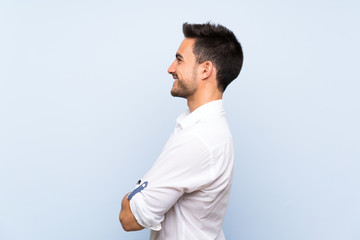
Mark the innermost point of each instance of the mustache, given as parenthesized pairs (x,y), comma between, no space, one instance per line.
(174,75)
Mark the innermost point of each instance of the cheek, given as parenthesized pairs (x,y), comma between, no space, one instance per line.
(184,72)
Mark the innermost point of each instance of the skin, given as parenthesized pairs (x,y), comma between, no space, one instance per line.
(193,81)
(126,217)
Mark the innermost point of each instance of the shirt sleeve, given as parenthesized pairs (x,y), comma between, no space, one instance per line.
(184,166)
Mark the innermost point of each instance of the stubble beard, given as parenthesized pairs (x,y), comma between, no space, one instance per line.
(184,89)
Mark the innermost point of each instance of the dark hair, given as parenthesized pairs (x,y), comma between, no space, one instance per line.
(217,44)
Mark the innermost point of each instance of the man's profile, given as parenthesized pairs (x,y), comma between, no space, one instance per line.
(186,192)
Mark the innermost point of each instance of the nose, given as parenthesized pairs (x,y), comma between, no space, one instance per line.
(171,69)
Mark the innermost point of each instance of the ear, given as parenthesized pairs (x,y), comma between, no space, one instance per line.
(207,69)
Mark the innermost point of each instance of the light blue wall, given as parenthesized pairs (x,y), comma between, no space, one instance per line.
(85,110)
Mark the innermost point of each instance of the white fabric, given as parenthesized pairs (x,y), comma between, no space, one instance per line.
(189,184)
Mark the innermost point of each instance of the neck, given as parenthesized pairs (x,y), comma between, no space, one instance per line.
(200,98)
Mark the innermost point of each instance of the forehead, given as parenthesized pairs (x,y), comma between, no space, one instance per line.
(186,47)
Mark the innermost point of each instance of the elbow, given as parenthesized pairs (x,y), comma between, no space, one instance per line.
(127,219)
(123,222)
(127,224)
(126,227)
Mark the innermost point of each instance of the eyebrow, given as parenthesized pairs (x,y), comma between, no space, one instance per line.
(178,55)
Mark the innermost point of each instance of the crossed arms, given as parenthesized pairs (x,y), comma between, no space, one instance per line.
(127,218)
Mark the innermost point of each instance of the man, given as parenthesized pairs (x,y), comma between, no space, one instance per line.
(186,192)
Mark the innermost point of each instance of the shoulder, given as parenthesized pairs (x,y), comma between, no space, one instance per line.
(213,131)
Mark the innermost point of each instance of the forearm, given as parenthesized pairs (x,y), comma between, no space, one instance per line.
(127,218)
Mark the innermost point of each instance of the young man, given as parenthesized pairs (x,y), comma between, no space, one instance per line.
(186,192)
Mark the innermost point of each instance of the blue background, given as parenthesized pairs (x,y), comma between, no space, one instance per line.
(85,109)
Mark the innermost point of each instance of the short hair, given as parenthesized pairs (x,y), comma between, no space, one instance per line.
(217,44)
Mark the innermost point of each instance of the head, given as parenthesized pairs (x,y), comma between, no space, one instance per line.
(209,43)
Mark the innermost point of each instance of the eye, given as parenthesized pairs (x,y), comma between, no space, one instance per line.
(178,59)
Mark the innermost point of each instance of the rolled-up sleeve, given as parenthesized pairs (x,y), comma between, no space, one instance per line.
(183,166)
(143,215)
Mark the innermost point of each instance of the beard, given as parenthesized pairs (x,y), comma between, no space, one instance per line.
(184,89)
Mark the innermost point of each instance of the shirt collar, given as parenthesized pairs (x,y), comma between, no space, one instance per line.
(187,119)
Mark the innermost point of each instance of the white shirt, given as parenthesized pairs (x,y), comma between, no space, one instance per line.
(188,188)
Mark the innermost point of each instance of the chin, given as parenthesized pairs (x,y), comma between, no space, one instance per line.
(175,93)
